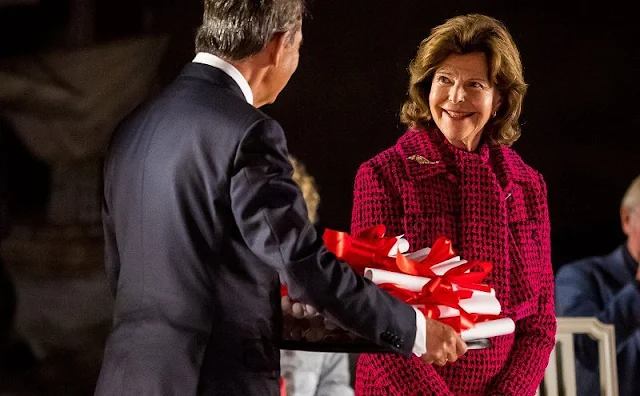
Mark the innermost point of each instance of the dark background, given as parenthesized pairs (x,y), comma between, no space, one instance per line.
(579,121)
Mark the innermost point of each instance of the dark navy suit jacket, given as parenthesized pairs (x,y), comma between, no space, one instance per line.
(603,287)
(200,216)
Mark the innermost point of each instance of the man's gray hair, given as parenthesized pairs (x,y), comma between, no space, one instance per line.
(238,29)
(631,199)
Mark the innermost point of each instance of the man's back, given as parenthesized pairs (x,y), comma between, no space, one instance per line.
(175,261)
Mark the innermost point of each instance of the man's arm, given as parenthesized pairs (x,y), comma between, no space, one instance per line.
(269,210)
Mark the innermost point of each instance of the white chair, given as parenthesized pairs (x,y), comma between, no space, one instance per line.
(560,375)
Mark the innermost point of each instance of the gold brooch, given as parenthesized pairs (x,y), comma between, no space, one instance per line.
(422,160)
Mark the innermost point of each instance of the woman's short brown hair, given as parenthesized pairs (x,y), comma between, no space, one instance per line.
(461,35)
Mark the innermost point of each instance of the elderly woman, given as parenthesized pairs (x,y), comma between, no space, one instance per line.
(453,173)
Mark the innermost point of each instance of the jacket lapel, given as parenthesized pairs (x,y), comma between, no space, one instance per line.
(616,266)
(513,177)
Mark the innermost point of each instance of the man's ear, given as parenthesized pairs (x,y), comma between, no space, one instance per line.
(275,48)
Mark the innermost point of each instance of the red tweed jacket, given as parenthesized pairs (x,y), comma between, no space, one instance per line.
(493,207)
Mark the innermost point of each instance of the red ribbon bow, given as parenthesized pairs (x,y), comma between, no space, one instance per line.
(460,324)
(432,299)
(442,251)
(370,249)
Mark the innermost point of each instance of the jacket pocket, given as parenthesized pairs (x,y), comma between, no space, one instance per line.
(525,271)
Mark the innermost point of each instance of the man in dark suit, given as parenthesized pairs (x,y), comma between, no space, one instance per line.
(201,215)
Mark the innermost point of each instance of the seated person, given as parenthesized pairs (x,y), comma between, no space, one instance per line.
(608,288)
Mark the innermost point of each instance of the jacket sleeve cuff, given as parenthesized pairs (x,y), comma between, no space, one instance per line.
(419,346)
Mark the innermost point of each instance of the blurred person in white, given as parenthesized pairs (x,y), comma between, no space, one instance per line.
(313,373)
(608,287)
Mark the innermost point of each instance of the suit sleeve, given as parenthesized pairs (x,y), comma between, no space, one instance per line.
(375,201)
(577,296)
(534,334)
(269,211)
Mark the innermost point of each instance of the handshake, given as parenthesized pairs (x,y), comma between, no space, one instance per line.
(443,344)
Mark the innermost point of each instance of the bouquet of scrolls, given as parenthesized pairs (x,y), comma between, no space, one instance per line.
(434,280)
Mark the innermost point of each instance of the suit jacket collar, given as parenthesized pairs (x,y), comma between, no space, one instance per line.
(630,262)
(229,69)
(211,75)
(614,265)
(621,265)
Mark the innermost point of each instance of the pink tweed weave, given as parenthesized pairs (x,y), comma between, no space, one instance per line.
(493,207)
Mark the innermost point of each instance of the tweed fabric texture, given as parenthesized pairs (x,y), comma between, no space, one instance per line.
(493,207)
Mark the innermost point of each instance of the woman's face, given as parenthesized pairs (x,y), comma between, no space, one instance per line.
(462,100)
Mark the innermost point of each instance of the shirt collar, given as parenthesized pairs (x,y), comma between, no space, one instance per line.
(229,69)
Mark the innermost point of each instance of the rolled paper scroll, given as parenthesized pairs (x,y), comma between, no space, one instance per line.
(410,282)
(401,246)
(485,304)
(488,329)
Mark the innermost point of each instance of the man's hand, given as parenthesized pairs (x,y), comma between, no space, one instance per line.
(297,309)
(444,345)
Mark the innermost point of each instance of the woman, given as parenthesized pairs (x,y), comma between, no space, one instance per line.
(452,173)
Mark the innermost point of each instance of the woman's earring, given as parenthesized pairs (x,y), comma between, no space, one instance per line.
(494,114)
